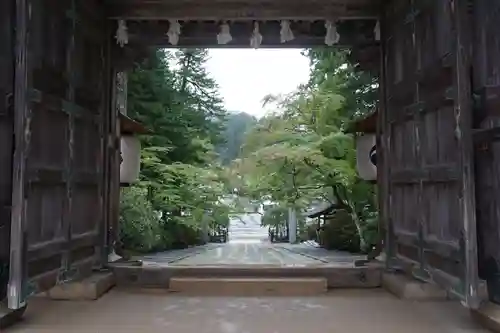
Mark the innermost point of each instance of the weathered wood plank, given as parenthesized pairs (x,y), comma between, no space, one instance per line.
(22,116)
(426,174)
(486,135)
(48,176)
(463,115)
(58,104)
(386,241)
(237,10)
(56,246)
(70,134)
(204,33)
(430,103)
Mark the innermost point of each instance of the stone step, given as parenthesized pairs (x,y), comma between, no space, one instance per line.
(344,276)
(90,288)
(248,286)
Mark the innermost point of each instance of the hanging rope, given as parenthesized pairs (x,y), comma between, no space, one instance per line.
(376,31)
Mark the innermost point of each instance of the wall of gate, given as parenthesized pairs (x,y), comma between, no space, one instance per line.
(65,160)
(486,83)
(6,135)
(425,185)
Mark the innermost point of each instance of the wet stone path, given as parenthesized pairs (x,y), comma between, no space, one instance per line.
(249,253)
(169,257)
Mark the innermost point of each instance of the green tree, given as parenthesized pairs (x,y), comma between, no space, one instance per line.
(235,129)
(301,153)
(181,182)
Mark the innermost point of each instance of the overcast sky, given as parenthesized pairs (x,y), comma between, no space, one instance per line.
(245,76)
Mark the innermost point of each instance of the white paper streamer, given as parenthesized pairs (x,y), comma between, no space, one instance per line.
(224,36)
(332,37)
(174,31)
(256,38)
(121,33)
(376,31)
(286,33)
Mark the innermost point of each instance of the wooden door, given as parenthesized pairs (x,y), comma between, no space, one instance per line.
(427,144)
(6,135)
(486,78)
(61,103)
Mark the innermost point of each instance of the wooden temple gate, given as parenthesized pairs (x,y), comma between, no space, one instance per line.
(55,127)
(426,169)
(58,124)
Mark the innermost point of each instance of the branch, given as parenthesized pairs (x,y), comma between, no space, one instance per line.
(200,89)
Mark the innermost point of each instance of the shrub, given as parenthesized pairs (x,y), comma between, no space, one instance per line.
(340,233)
(140,224)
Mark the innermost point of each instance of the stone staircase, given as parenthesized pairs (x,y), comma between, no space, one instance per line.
(249,280)
(248,286)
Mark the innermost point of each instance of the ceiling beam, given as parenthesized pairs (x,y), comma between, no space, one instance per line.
(204,34)
(201,42)
(241,10)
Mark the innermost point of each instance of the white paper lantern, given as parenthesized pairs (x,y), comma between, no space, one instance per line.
(365,156)
(131,159)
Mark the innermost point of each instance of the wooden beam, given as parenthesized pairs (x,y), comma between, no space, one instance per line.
(486,135)
(298,42)
(129,126)
(440,174)
(241,10)
(18,239)
(384,129)
(204,33)
(57,104)
(463,116)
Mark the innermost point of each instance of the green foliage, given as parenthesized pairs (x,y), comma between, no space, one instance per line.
(275,216)
(300,153)
(180,183)
(340,233)
(140,225)
(236,126)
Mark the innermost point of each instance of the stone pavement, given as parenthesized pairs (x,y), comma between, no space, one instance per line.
(340,311)
(250,253)
(321,254)
(256,253)
(171,256)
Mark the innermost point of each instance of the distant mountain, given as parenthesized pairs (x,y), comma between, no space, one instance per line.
(237,125)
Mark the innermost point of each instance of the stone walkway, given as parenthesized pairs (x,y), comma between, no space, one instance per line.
(252,253)
(320,254)
(341,311)
(247,254)
(172,256)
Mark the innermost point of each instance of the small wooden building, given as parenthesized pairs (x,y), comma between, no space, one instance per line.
(438,174)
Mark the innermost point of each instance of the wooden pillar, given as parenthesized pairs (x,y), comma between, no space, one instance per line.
(69,162)
(292,225)
(22,116)
(107,111)
(118,90)
(463,132)
(383,152)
